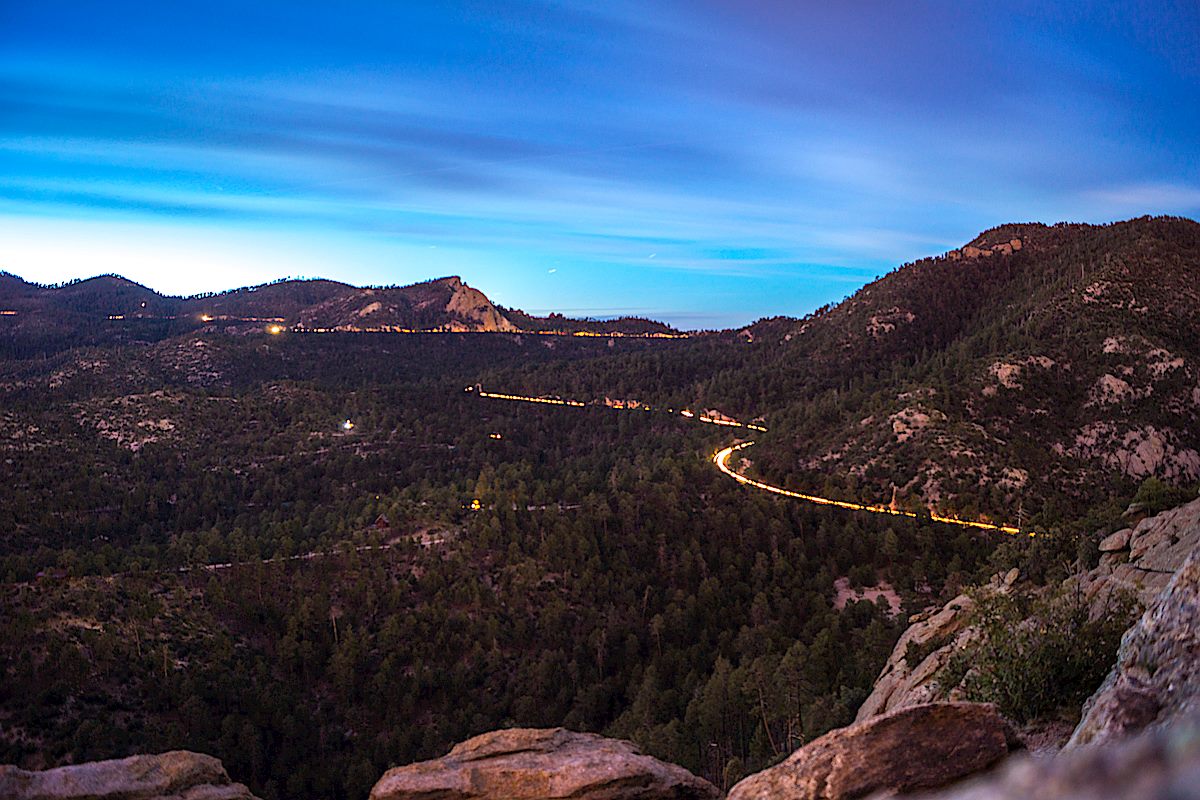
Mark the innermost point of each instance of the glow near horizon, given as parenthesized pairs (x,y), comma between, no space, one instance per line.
(704,163)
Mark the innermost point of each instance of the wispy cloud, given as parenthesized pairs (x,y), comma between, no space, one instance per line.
(1146,198)
(768,155)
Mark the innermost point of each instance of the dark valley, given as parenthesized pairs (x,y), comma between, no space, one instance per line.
(289,526)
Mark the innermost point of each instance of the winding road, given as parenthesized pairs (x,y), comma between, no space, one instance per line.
(722,457)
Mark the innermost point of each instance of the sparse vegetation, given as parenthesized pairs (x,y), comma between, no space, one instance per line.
(916,652)
(1039,652)
(1155,495)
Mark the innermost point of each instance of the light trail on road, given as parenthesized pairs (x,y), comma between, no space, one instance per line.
(721,459)
(553,401)
(519,332)
(558,401)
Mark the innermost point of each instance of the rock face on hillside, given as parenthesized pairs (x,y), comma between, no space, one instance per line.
(528,763)
(473,306)
(177,775)
(939,634)
(1000,249)
(921,747)
(1142,559)
(1157,765)
(445,304)
(1140,732)
(1156,680)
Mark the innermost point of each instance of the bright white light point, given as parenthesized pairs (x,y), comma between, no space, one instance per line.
(552,271)
(347,425)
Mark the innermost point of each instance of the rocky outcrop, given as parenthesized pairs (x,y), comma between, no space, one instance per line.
(1141,560)
(1138,561)
(970,251)
(935,637)
(1140,732)
(1155,681)
(473,306)
(528,763)
(445,304)
(1115,542)
(177,775)
(922,747)
(1156,765)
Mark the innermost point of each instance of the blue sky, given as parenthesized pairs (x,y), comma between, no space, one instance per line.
(702,162)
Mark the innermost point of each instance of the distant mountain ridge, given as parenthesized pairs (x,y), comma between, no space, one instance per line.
(110,309)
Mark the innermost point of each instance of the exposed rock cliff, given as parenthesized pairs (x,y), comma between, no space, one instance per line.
(971,251)
(1156,680)
(1140,733)
(528,763)
(177,775)
(445,304)
(1142,559)
(473,306)
(922,747)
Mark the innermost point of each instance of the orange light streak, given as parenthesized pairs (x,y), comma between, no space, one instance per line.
(721,459)
(423,331)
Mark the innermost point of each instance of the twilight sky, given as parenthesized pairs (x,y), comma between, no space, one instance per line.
(702,162)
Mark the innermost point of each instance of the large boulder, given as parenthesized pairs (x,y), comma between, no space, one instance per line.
(920,747)
(1156,679)
(177,775)
(529,763)
(1155,765)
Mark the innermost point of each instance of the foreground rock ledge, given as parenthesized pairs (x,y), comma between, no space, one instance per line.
(1159,764)
(177,775)
(920,747)
(1156,680)
(529,763)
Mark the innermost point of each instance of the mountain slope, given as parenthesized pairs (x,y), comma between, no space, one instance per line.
(1026,376)
(282,299)
(1066,360)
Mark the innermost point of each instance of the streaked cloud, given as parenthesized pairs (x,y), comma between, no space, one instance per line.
(1147,198)
(752,158)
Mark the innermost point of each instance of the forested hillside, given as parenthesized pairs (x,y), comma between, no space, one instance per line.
(319,555)
(1033,380)
(610,579)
